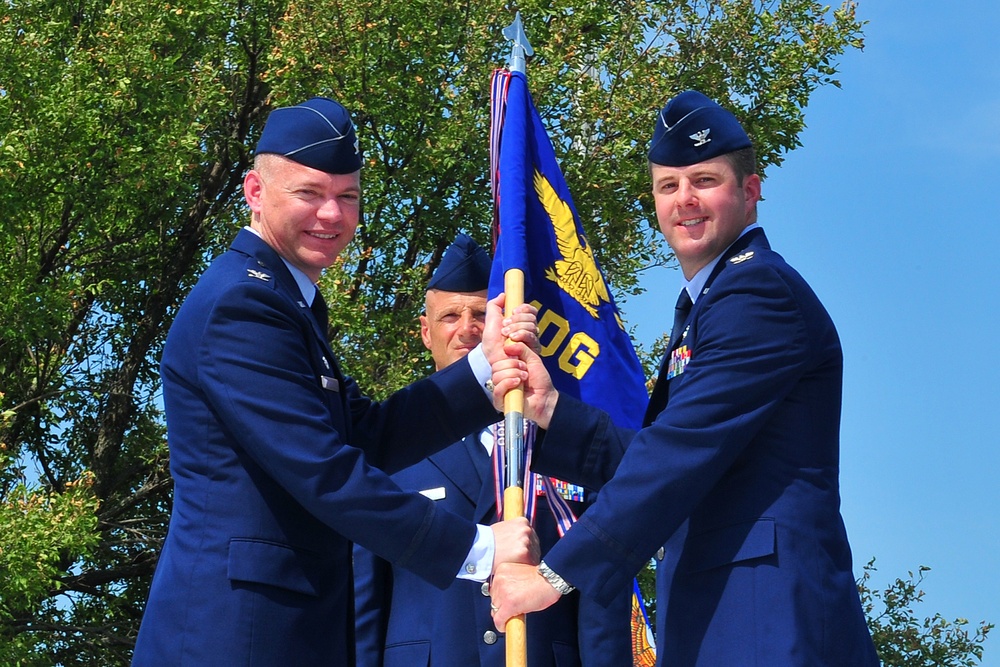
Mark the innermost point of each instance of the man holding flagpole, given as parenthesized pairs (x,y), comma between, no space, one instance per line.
(273,449)
(732,481)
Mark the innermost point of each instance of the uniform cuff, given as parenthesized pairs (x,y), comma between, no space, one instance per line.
(478,564)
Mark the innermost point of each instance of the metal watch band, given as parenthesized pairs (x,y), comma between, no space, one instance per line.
(558,583)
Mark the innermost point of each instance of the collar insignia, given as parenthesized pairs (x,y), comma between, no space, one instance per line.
(701,137)
(259,275)
(739,259)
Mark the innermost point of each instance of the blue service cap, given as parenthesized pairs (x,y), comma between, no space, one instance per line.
(317,133)
(691,129)
(465,267)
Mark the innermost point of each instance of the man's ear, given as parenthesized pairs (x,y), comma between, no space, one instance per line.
(252,186)
(425,331)
(751,189)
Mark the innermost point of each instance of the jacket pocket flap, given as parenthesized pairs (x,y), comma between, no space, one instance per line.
(408,654)
(275,564)
(731,544)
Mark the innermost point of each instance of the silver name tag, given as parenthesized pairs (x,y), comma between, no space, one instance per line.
(436,493)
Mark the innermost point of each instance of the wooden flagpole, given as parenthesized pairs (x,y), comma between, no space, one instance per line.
(513,407)
(513,494)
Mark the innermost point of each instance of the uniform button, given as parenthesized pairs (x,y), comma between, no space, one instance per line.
(485,588)
(490,637)
(470,568)
(659,553)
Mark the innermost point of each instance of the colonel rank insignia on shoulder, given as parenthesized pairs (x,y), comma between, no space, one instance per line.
(259,275)
(742,257)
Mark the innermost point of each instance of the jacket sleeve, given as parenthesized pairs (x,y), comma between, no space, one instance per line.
(587,447)
(257,373)
(751,346)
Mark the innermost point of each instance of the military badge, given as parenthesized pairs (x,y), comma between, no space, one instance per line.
(259,275)
(679,359)
(701,137)
(568,491)
(742,257)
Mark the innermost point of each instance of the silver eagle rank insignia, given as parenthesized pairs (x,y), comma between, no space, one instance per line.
(259,275)
(701,137)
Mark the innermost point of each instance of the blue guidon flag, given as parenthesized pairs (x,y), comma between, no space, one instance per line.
(585,346)
(536,228)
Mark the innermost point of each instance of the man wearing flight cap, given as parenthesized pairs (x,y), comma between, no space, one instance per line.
(732,483)
(270,442)
(402,620)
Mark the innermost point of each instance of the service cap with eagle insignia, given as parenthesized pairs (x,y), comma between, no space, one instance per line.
(742,257)
(318,133)
(691,128)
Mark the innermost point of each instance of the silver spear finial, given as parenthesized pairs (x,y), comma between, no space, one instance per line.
(521,48)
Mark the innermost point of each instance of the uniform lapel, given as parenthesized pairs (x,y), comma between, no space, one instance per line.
(250,244)
(455,463)
(486,504)
(661,390)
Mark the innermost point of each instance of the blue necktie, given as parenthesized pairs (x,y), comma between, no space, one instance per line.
(319,310)
(681,311)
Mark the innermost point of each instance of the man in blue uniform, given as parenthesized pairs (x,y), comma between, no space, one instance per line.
(271,444)
(402,620)
(732,483)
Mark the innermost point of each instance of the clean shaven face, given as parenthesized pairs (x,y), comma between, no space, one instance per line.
(452,324)
(308,216)
(702,208)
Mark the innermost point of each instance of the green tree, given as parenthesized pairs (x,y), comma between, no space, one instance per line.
(39,527)
(125,129)
(902,640)
(123,134)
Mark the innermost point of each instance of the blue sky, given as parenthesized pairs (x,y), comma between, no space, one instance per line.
(889,209)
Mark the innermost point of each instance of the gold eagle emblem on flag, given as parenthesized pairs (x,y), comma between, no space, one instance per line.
(576,273)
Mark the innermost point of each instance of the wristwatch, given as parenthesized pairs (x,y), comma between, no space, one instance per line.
(558,583)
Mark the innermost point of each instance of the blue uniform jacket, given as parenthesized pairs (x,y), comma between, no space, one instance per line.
(420,626)
(270,447)
(735,475)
